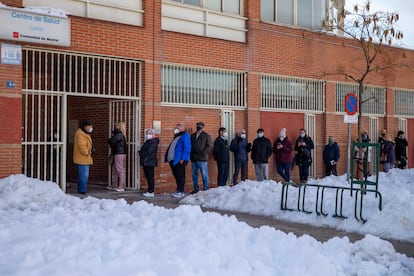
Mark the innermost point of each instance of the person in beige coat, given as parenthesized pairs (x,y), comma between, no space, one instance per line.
(82,154)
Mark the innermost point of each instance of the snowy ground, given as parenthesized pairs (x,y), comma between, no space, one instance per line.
(46,232)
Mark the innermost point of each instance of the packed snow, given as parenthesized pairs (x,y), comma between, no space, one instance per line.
(44,231)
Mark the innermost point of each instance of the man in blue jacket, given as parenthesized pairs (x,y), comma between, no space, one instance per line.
(178,155)
(331,156)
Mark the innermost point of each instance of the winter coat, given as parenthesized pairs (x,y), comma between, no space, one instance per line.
(148,153)
(284,154)
(331,152)
(261,150)
(221,150)
(82,148)
(388,150)
(400,147)
(303,153)
(117,142)
(182,148)
(240,147)
(200,146)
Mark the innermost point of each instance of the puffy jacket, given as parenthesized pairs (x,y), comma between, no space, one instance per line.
(200,146)
(182,148)
(261,150)
(221,150)
(284,154)
(400,147)
(148,153)
(331,152)
(82,148)
(117,142)
(240,147)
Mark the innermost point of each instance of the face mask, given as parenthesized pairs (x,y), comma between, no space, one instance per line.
(176,131)
(90,130)
(225,135)
(260,134)
(330,142)
(148,136)
(302,135)
(243,136)
(282,138)
(199,128)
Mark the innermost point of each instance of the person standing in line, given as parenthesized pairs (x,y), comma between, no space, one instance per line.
(149,160)
(222,156)
(331,155)
(83,151)
(178,155)
(282,148)
(240,147)
(388,152)
(303,158)
(119,152)
(401,145)
(200,147)
(261,151)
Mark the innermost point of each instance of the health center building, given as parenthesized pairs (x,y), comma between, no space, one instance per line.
(155,63)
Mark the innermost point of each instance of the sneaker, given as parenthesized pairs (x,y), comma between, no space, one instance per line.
(178,194)
(119,189)
(194,192)
(109,188)
(148,194)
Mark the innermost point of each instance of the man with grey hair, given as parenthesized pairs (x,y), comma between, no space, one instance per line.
(240,147)
(148,159)
(178,155)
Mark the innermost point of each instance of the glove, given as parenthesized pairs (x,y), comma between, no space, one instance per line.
(93,150)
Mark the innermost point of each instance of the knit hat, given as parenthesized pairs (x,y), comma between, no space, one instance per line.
(282,133)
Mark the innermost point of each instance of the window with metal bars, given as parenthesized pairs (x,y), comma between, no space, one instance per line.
(373,101)
(290,93)
(404,102)
(202,86)
(227,6)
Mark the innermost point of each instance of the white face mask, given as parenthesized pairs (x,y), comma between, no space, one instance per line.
(90,130)
(282,138)
(148,136)
(243,136)
(176,131)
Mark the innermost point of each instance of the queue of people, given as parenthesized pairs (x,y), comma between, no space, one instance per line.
(197,147)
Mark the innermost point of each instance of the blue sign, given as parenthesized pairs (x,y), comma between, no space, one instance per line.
(351,104)
(10,84)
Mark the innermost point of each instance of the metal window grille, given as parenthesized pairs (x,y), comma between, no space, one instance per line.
(81,74)
(235,7)
(202,86)
(289,93)
(373,101)
(404,102)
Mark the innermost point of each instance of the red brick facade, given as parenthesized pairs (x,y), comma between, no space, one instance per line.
(270,49)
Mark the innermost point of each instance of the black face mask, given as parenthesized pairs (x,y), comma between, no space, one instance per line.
(199,128)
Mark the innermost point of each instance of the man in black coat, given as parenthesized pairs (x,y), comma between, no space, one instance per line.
(261,151)
(222,156)
(303,158)
(200,147)
(240,147)
(331,156)
(148,159)
(401,145)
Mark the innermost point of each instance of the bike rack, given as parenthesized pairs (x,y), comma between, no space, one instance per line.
(320,191)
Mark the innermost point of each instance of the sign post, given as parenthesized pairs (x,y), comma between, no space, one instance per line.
(351,117)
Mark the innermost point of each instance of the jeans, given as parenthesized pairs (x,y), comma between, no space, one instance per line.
(239,165)
(179,174)
(195,166)
(304,171)
(223,173)
(118,171)
(83,176)
(149,174)
(262,171)
(388,166)
(284,170)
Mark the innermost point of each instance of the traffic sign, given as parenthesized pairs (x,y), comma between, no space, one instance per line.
(351,104)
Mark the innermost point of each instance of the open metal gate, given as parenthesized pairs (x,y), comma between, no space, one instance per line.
(227,121)
(311,132)
(128,112)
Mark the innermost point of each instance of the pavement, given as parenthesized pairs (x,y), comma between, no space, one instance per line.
(320,233)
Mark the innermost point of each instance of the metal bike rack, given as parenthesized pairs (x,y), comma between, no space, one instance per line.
(320,191)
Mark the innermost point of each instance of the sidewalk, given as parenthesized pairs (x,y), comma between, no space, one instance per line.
(167,201)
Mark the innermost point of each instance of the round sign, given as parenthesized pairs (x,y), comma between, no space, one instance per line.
(351,104)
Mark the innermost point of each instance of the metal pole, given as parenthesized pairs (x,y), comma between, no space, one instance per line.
(348,168)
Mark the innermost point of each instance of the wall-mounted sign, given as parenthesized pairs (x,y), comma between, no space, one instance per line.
(10,84)
(22,25)
(11,54)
